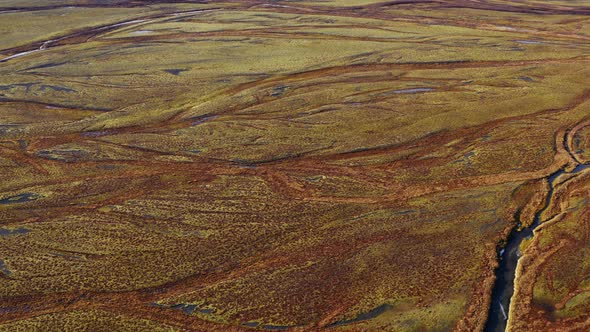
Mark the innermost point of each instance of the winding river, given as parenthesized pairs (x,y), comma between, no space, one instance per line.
(509,255)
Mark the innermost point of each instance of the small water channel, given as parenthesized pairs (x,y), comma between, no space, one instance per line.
(509,255)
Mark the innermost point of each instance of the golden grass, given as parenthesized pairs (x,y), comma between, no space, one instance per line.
(310,165)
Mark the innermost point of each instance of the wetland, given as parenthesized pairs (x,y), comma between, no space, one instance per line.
(337,165)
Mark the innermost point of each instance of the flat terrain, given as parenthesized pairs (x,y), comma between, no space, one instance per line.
(337,165)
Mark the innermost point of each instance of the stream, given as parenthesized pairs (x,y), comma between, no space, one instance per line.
(509,255)
(91,31)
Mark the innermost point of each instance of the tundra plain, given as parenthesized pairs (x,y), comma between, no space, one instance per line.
(338,165)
